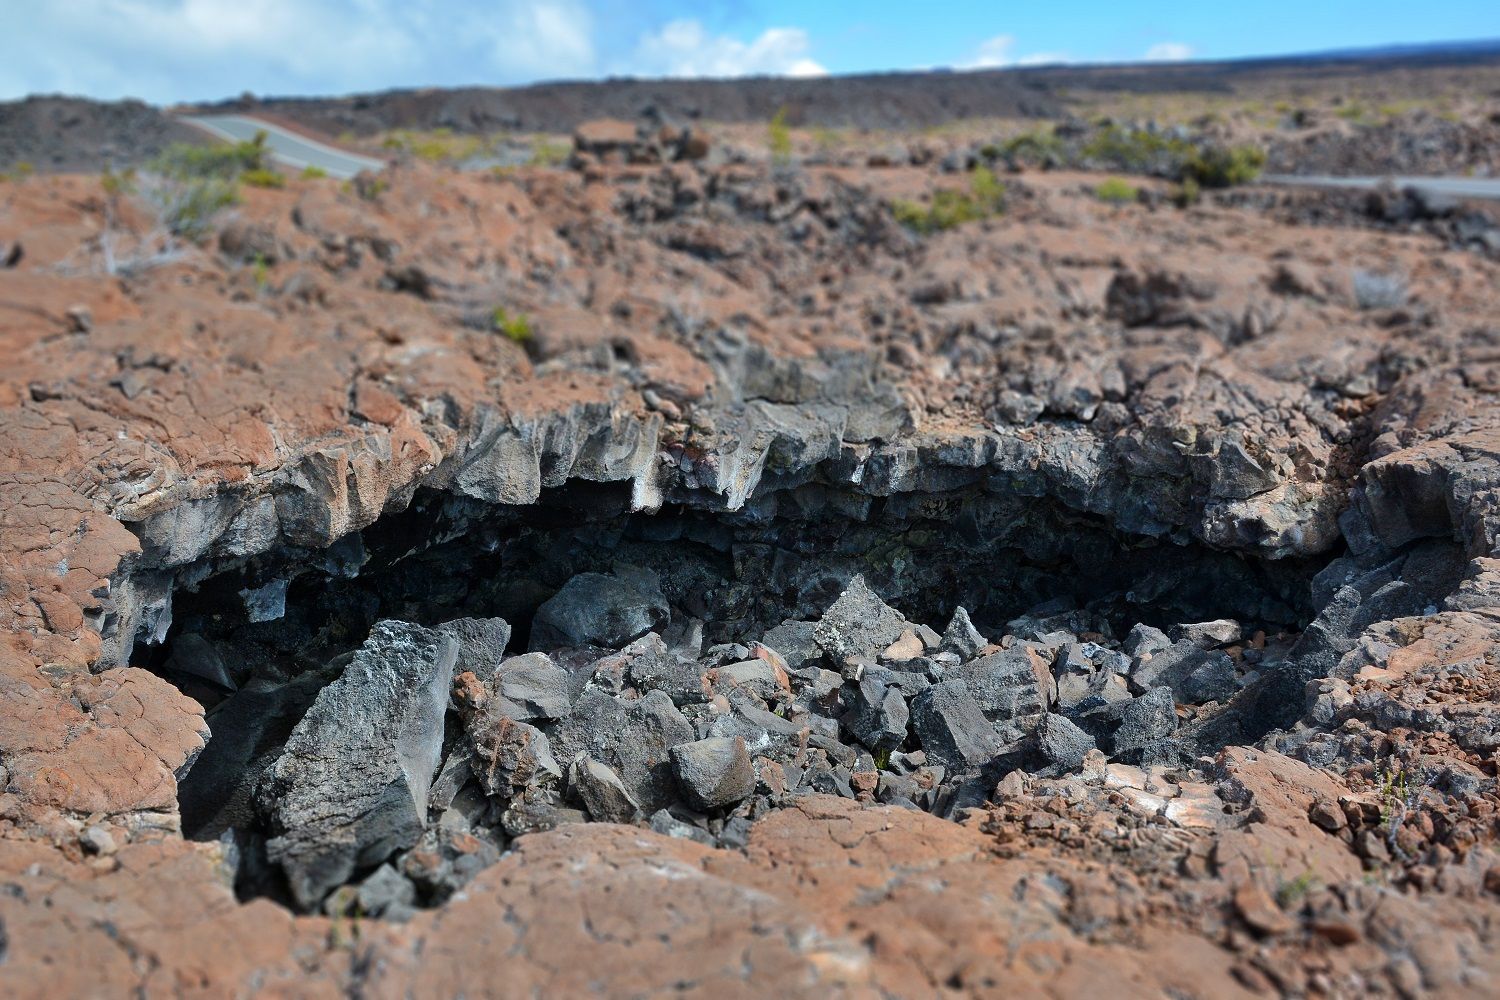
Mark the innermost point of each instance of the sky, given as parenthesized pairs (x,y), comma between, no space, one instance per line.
(166,51)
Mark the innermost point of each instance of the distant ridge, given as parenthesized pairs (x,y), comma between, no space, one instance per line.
(1479,47)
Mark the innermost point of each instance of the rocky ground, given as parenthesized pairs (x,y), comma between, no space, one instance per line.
(52,134)
(680,576)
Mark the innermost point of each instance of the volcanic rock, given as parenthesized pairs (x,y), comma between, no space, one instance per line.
(715,772)
(600,610)
(351,786)
(603,793)
(951,728)
(859,623)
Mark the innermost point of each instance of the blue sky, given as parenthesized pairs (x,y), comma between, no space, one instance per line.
(171,50)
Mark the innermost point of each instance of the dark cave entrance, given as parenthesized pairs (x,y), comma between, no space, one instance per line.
(255,642)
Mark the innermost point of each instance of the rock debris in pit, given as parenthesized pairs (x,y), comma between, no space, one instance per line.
(699,743)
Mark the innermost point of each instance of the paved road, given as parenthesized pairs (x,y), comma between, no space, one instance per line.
(287,147)
(1455,187)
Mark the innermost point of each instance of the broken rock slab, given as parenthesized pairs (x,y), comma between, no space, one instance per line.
(351,787)
(531,686)
(633,737)
(715,772)
(510,756)
(1194,674)
(952,729)
(603,794)
(1007,686)
(1062,743)
(877,714)
(961,637)
(595,609)
(481,644)
(859,623)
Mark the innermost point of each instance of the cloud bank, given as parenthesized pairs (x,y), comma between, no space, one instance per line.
(169,50)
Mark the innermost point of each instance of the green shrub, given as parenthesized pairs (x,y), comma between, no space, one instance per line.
(226,162)
(117,184)
(1135,150)
(1038,148)
(187,206)
(312,173)
(1187,194)
(948,208)
(1116,191)
(22,170)
(516,327)
(263,178)
(545,153)
(262,272)
(1219,166)
(368,186)
(779,137)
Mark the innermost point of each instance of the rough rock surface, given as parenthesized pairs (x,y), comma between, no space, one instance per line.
(817,431)
(352,783)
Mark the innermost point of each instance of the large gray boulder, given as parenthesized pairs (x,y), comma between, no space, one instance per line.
(531,686)
(351,786)
(593,609)
(1006,688)
(715,772)
(633,738)
(481,644)
(952,729)
(1194,674)
(858,624)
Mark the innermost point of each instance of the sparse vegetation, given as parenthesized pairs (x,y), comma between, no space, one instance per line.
(1037,148)
(440,145)
(264,178)
(1136,150)
(1187,194)
(19,172)
(1400,794)
(1290,894)
(189,185)
(1221,166)
(779,138)
(547,153)
(187,207)
(366,186)
(262,272)
(117,184)
(514,326)
(313,173)
(948,208)
(184,161)
(1116,191)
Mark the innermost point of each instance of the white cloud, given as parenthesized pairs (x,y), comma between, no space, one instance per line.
(168,50)
(1043,59)
(685,48)
(997,52)
(543,39)
(1169,52)
(991,54)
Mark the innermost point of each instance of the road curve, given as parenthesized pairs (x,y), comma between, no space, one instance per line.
(287,147)
(1453,187)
